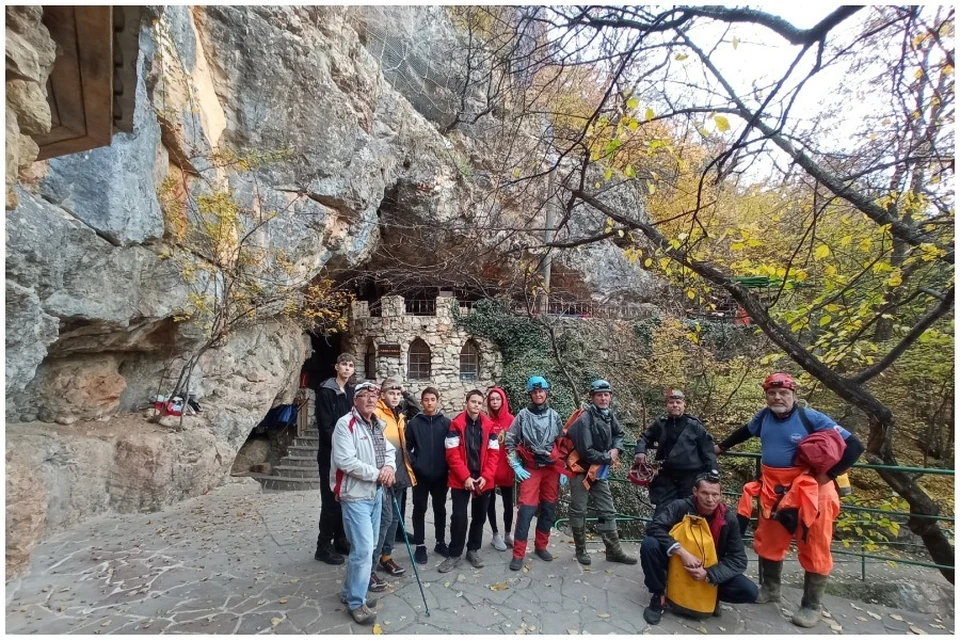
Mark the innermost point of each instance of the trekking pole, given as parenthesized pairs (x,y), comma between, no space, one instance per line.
(413,562)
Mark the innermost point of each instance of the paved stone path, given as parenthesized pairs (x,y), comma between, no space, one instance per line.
(241,561)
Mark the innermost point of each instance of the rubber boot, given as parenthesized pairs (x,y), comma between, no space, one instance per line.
(611,540)
(580,541)
(770,571)
(814,585)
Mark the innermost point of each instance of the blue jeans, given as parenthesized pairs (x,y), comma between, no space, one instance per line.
(389,521)
(361,523)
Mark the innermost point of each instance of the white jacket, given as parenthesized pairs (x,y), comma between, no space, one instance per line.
(353,463)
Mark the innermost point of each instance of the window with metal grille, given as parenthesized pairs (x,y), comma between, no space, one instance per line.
(370,362)
(469,361)
(418,360)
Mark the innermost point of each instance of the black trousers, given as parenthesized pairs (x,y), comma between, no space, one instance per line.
(436,491)
(506,494)
(331,519)
(458,520)
(654,561)
(667,487)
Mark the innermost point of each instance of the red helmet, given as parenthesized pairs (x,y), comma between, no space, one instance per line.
(779,381)
(641,474)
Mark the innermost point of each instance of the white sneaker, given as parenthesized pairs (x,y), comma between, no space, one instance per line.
(498,543)
(508,540)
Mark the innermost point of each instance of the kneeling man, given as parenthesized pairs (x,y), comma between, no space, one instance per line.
(726,574)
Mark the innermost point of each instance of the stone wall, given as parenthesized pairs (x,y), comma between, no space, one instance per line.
(438,331)
(30,56)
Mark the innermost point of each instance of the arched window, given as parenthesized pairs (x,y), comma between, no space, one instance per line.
(370,361)
(469,361)
(418,360)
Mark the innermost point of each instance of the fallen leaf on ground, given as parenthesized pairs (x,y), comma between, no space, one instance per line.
(875,616)
(105,623)
(896,617)
(936,626)
(276,621)
(702,629)
(603,615)
(836,627)
(721,628)
(446,585)
(918,631)
(500,586)
(377,630)
(283,601)
(853,606)
(861,619)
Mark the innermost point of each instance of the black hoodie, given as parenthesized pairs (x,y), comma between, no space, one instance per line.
(331,405)
(425,435)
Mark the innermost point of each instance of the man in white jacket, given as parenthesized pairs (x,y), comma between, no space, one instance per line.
(362,462)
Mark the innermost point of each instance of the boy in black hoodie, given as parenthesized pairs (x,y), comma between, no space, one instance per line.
(334,398)
(425,436)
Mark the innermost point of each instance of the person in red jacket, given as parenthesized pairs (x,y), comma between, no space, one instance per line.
(498,409)
(473,453)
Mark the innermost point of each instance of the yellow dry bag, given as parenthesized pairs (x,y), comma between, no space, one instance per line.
(686,595)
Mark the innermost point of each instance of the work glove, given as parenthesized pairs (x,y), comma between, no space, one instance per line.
(563,480)
(521,473)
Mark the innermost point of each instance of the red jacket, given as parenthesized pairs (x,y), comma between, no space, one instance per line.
(501,422)
(456,448)
(820,451)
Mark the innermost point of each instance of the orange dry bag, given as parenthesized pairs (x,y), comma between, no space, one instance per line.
(686,595)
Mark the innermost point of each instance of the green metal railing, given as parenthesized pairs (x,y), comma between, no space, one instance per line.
(862,541)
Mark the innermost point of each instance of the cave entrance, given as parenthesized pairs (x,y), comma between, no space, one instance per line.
(319,366)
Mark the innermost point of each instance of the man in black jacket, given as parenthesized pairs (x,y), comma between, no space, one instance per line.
(425,442)
(684,450)
(727,574)
(598,439)
(334,399)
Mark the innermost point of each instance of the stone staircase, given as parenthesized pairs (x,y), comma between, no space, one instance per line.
(298,470)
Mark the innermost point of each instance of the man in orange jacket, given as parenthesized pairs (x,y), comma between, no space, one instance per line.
(781,427)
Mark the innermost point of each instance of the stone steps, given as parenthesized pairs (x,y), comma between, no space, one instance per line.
(281,483)
(298,470)
(295,461)
(290,471)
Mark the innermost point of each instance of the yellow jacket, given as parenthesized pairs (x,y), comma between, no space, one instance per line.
(395,432)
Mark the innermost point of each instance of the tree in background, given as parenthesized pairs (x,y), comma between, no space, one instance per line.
(828,174)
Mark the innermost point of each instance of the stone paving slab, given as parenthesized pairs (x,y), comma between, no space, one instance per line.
(241,561)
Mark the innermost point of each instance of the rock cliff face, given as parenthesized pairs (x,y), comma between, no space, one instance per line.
(91,300)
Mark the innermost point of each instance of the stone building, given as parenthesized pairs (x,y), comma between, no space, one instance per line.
(419,341)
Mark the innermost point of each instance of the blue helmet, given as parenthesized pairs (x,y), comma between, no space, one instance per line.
(537,382)
(599,386)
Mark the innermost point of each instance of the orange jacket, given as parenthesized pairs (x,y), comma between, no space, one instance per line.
(798,490)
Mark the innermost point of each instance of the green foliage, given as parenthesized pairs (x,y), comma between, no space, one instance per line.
(872,529)
(525,346)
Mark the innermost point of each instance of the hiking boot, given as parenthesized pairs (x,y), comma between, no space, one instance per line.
(363,615)
(377,584)
(441,549)
(770,571)
(508,540)
(498,542)
(420,555)
(474,559)
(371,602)
(654,612)
(326,553)
(449,564)
(543,554)
(516,564)
(580,542)
(814,584)
(342,546)
(611,540)
(387,565)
